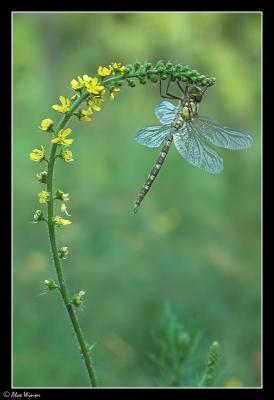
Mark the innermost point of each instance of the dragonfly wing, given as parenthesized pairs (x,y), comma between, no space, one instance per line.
(196,152)
(166,112)
(221,136)
(153,135)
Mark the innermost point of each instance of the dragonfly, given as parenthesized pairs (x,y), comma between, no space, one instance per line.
(193,135)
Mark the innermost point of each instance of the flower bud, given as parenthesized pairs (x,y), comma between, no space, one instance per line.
(148,66)
(63,252)
(131,83)
(160,66)
(78,298)
(154,78)
(137,65)
(129,68)
(164,77)
(142,80)
(50,284)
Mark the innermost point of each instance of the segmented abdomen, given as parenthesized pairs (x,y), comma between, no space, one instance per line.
(153,173)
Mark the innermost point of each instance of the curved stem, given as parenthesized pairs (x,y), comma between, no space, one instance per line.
(58,267)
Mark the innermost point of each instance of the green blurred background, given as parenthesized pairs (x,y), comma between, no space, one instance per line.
(195,241)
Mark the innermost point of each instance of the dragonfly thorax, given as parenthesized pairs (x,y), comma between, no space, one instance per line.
(189,110)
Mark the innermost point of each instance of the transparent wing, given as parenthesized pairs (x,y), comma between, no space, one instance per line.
(196,152)
(166,112)
(153,135)
(221,136)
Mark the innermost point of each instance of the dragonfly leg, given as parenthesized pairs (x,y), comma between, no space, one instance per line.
(161,93)
(180,87)
(172,96)
(204,90)
(167,95)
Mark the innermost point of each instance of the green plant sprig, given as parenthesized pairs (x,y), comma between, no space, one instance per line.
(89,90)
(211,365)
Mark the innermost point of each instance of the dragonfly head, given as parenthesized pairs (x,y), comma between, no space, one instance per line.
(195,93)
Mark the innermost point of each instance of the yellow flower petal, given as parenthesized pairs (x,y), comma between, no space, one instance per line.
(66,132)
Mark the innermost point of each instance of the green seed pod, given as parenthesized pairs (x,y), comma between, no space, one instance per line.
(142,80)
(137,65)
(169,65)
(178,68)
(186,68)
(164,76)
(50,284)
(160,66)
(194,72)
(148,66)
(154,78)
(188,74)
(131,83)
(129,68)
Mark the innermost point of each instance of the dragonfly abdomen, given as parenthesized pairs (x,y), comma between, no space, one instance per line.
(153,173)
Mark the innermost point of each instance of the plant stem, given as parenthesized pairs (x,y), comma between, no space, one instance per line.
(58,267)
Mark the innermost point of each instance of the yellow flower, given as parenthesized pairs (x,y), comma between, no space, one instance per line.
(84,116)
(86,79)
(114,92)
(77,84)
(46,124)
(92,85)
(67,155)
(78,298)
(61,135)
(65,104)
(117,67)
(43,196)
(104,71)
(61,221)
(37,155)
(94,103)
